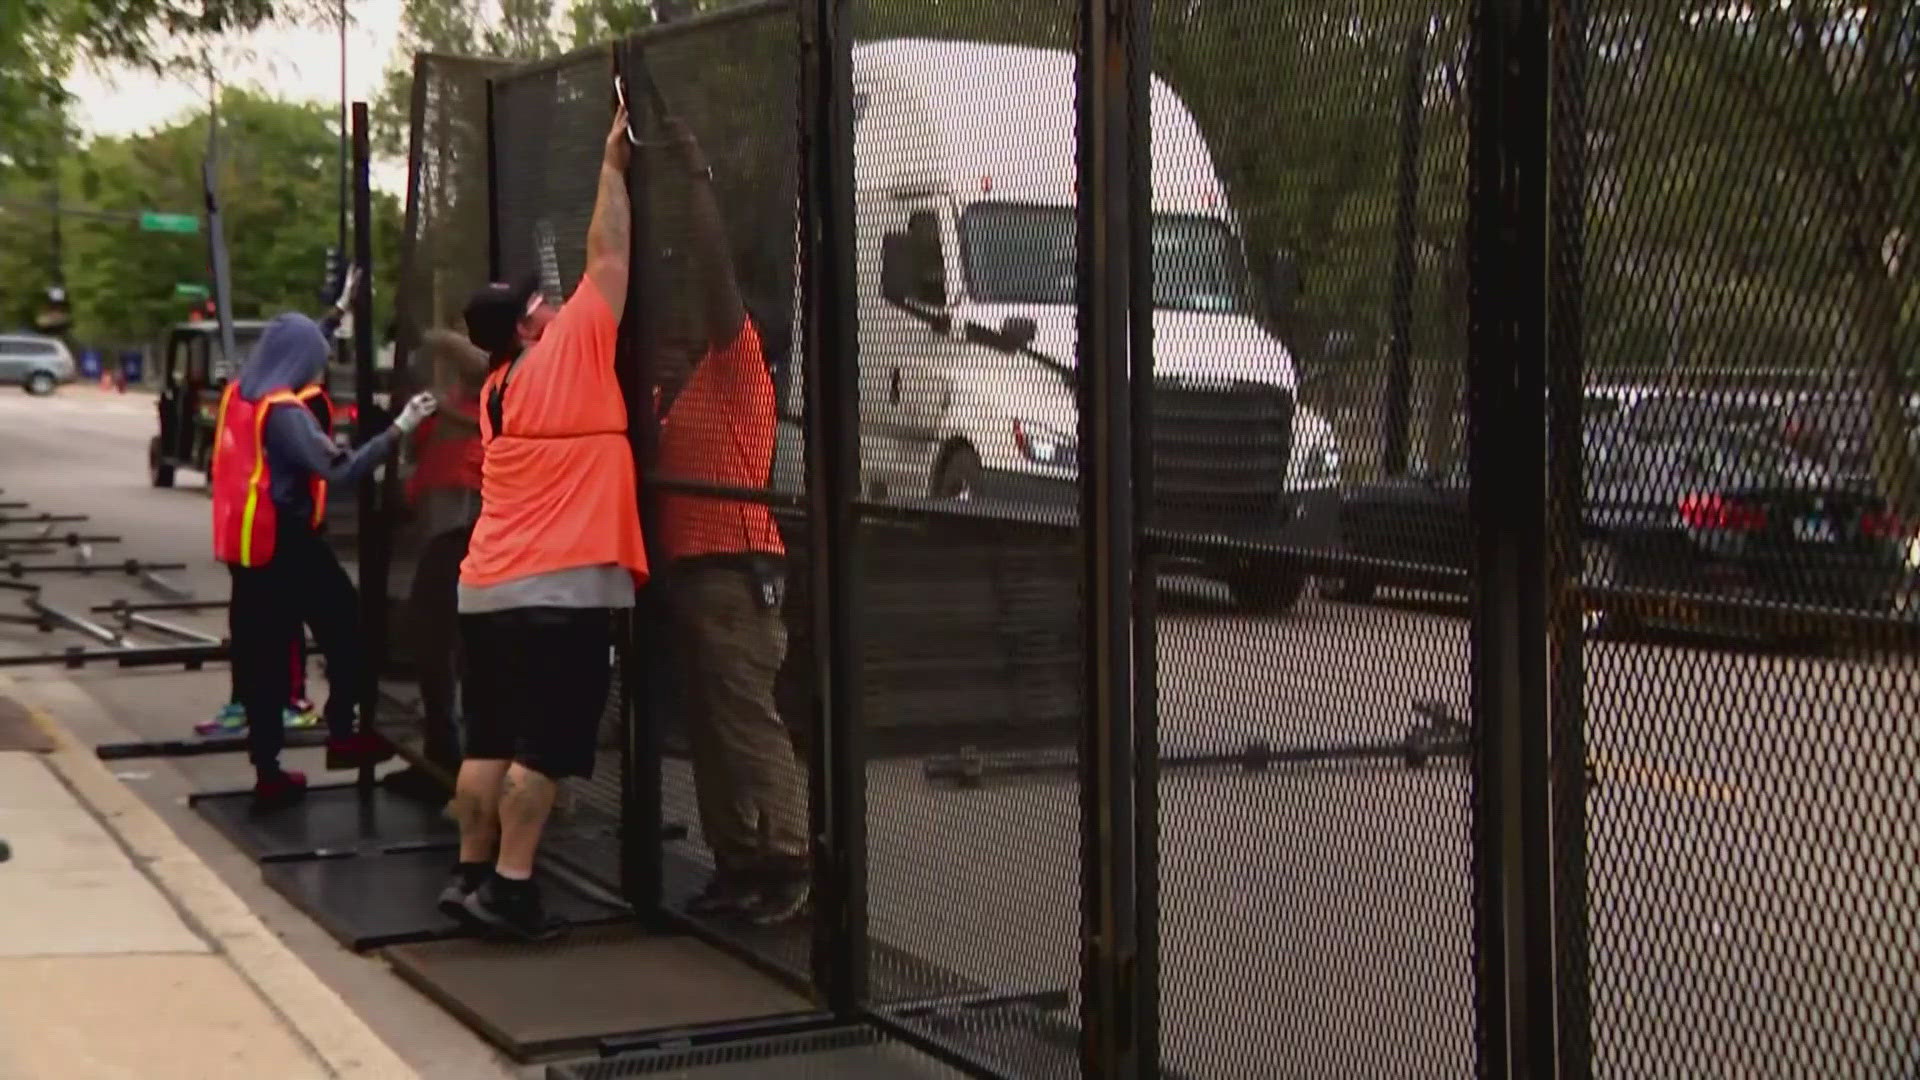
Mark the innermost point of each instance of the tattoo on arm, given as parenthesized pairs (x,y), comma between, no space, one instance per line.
(610,239)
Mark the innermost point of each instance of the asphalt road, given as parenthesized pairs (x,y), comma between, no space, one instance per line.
(1753,842)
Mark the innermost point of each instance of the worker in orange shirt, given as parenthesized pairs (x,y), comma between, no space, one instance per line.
(557,551)
(726,581)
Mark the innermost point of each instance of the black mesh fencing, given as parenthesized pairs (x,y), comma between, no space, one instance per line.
(1315,867)
(1744,530)
(1504,666)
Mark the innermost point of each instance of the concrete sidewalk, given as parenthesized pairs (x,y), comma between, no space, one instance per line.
(123,955)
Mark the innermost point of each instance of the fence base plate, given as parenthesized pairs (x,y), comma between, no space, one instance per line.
(373,901)
(330,820)
(565,996)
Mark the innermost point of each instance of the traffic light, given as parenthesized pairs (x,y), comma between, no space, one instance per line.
(335,278)
(55,315)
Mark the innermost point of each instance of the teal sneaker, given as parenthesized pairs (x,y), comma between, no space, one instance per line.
(301,716)
(230,720)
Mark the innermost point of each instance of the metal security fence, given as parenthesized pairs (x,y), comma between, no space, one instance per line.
(1360,539)
(1752,802)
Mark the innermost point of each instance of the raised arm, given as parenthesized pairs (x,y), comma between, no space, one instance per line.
(712,258)
(610,233)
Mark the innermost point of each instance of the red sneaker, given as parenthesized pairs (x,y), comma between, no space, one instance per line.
(358,750)
(283,790)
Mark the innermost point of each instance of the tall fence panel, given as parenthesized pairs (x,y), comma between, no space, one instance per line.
(1745,535)
(1310,510)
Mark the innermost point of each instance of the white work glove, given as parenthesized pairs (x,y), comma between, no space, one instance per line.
(419,407)
(345,301)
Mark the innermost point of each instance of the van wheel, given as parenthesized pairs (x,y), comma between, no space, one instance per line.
(40,384)
(158,470)
(1266,588)
(959,475)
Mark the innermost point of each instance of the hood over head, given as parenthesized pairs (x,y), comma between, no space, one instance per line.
(292,353)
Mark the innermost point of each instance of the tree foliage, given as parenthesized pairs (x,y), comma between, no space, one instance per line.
(277,182)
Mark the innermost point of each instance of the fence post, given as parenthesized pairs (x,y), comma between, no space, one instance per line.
(831,344)
(1566,378)
(1507,444)
(493,186)
(373,534)
(640,641)
(1113,119)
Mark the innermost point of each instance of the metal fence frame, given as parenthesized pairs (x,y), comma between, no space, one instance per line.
(1526,742)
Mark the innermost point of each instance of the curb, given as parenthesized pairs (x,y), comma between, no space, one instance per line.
(334,1032)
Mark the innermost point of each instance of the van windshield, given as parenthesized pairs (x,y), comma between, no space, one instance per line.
(1021,254)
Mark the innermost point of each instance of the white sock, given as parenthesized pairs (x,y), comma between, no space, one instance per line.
(514,875)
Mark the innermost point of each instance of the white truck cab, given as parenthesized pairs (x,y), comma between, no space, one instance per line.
(965,202)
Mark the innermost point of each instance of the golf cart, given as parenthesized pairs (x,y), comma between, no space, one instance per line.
(194,369)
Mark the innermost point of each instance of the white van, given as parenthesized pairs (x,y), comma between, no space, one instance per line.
(965,193)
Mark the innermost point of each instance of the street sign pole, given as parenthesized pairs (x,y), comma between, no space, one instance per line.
(222,280)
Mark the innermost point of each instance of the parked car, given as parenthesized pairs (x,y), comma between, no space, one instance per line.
(194,369)
(1836,430)
(40,364)
(1720,512)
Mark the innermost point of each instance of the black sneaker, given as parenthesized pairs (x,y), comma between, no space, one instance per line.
(784,897)
(727,893)
(511,909)
(453,898)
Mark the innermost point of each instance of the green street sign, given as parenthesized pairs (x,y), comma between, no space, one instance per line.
(151,221)
(190,291)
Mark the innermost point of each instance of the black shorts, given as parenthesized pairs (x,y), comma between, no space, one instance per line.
(535,686)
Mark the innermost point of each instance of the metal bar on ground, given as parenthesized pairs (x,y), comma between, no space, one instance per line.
(69,540)
(160,626)
(191,656)
(125,607)
(686,1038)
(160,586)
(132,567)
(1507,318)
(44,519)
(841,951)
(74,622)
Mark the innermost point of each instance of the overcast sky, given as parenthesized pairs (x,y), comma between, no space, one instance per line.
(301,64)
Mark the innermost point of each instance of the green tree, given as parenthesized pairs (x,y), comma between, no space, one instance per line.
(277,189)
(1756,193)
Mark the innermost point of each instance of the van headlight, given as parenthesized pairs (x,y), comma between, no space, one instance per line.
(1043,445)
(1316,461)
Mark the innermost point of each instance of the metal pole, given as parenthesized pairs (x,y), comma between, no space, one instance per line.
(832,388)
(1566,374)
(1112,116)
(373,532)
(1507,454)
(216,229)
(643,675)
(493,184)
(1397,415)
(341,235)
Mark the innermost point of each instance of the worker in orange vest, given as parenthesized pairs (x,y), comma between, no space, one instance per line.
(557,552)
(726,578)
(271,466)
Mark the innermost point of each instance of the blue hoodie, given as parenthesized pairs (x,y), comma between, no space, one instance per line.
(291,354)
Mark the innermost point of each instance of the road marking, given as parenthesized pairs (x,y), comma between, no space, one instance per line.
(1639,772)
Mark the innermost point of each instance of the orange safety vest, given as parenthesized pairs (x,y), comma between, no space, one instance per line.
(244,517)
(719,430)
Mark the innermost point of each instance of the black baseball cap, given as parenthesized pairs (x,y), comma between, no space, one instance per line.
(493,314)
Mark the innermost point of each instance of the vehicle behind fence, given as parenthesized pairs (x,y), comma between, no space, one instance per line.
(1367,539)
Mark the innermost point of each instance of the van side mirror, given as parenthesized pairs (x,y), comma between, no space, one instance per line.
(1018,332)
(896,268)
(1283,284)
(911,267)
